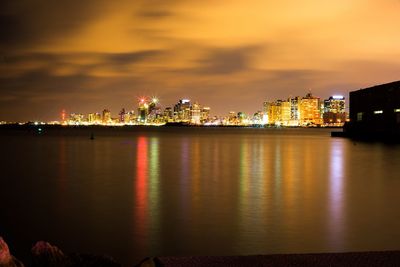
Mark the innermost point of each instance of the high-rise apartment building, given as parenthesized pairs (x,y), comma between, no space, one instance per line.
(168,114)
(195,113)
(106,116)
(182,110)
(143,111)
(310,110)
(122,115)
(334,110)
(277,112)
(205,114)
(92,118)
(294,111)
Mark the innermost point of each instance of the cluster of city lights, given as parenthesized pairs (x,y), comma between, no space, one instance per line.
(297,111)
(294,111)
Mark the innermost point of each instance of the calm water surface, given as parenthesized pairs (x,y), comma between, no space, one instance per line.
(198,191)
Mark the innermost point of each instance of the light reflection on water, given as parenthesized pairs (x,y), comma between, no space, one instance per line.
(201,192)
(336,192)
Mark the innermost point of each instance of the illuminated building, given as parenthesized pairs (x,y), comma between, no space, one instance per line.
(232,119)
(266,112)
(130,117)
(274,112)
(92,118)
(334,111)
(205,114)
(309,107)
(155,113)
(241,117)
(63,116)
(168,114)
(98,117)
(122,115)
(76,118)
(294,111)
(258,117)
(195,113)
(285,112)
(182,110)
(106,116)
(143,110)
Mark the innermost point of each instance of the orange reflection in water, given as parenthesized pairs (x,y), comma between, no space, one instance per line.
(336,193)
(146,188)
(141,185)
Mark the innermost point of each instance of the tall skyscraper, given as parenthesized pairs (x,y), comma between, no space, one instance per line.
(91,118)
(168,114)
(143,110)
(294,111)
(122,115)
(205,114)
(106,116)
(195,113)
(310,110)
(182,110)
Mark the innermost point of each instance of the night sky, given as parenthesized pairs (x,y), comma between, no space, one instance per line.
(231,55)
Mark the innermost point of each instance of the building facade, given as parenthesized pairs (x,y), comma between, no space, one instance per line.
(375,110)
(334,111)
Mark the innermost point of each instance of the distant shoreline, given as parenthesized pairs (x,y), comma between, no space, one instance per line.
(17,126)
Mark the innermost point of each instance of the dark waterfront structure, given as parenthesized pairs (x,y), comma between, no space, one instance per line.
(375,112)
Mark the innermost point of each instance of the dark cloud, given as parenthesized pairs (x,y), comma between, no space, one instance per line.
(155,14)
(24,23)
(121,62)
(129,58)
(220,61)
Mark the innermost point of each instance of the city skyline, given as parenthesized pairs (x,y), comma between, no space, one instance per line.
(231,55)
(306,111)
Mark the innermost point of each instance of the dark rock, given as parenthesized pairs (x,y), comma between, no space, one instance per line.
(46,255)
(6,259)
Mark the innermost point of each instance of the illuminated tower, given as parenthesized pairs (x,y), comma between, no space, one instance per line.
(155,114)
(294,111)
(91,118)
(143,110)
(285,112)
(182,110)
(168,114)
(63,116)
(205,114)
(106,116)
(195,113)
(273,111)
(98,118)
(122,115)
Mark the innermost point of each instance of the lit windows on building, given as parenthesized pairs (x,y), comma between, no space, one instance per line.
(195,113)
(205,114)
(182,110)
(334,111)
(360,116)
(310,110)
(106,116)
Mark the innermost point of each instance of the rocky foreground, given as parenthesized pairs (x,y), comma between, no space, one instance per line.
(47,255)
